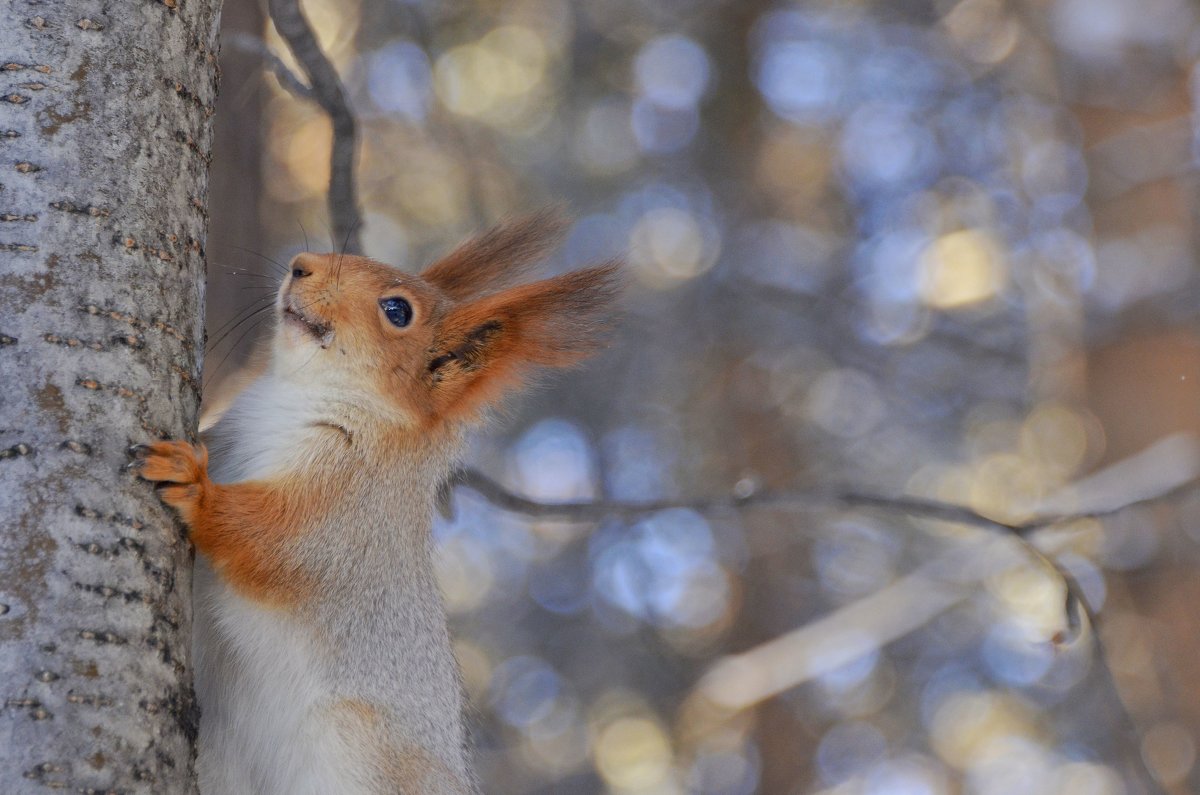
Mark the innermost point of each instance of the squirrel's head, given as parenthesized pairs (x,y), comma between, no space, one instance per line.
(444,345)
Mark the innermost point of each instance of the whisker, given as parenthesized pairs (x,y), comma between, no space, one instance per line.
(406,371)
(332,241)
(235,345)
(312,303)
(307,361)
(251,305)
(249,275)
(256,312)
(337,279)
(263,257)
(304,232)
(242,311)
(349,232)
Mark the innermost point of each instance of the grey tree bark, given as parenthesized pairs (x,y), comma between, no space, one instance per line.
(105,134)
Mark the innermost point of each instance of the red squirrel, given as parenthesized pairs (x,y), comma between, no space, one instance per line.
(323,662)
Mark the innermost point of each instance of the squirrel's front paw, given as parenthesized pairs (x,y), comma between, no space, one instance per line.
(182,466)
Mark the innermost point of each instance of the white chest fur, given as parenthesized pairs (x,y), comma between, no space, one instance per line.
(260,686)
(262,681)
(258,674)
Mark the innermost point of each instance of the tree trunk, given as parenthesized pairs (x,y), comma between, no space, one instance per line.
(105,133)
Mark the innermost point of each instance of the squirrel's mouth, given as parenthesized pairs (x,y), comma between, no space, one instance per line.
(318,329)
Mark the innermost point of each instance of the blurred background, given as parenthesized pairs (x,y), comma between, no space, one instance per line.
(884,256)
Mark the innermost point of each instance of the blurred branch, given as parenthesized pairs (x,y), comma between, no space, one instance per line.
(326,90)
(1166,468)
(739,681)
(286,77)
(1075,603)
(595,510)
(1162,470)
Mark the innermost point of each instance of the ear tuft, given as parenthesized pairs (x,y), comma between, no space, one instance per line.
(486,347)
(567,318)
(500,256)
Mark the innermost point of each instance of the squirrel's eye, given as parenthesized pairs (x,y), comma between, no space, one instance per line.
(398,311)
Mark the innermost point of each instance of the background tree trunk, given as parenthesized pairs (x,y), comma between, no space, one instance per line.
(105,134)
(236,273)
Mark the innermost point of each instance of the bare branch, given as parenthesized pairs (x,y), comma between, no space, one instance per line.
(1167,465)
(500,497)
(327,90)
(595,510)
(1162,470)
(256,46)
(740,681)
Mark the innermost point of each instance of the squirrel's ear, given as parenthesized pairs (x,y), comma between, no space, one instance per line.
(498,257)
(485,347)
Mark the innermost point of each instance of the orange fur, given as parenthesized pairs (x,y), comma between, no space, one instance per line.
(493,341)
(342,442)
(468,344)
(240,526)
(498,257)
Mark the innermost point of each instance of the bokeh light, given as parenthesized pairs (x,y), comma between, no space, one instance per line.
(910,301)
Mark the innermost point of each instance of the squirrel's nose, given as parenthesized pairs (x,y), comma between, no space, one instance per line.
(302,265)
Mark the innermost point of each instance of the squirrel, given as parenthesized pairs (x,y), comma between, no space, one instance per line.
(323,663)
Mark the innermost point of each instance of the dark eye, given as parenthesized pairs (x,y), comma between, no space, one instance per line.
(398,311)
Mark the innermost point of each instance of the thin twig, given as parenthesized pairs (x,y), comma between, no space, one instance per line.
(328,92)
(594,510)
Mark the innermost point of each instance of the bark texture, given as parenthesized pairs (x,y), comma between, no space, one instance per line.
(105,134)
